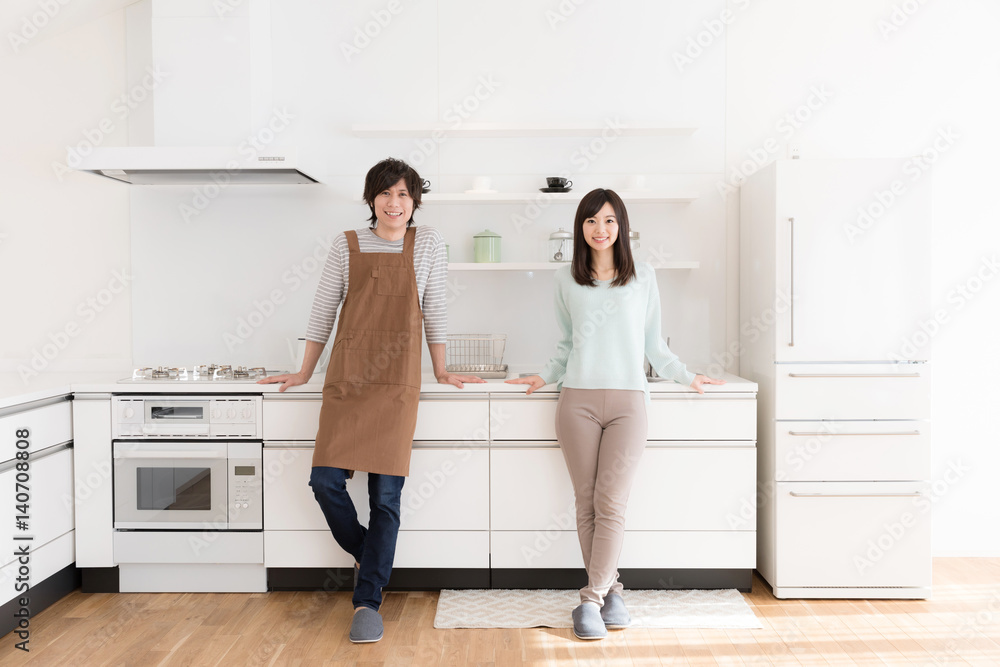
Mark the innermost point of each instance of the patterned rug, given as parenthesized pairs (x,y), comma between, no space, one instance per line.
(552,609)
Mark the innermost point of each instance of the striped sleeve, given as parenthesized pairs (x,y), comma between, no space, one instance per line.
(330,292)
(434,303)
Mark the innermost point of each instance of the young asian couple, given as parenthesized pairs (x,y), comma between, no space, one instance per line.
(388,280)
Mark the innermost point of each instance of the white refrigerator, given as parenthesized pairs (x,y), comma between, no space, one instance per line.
(835,316)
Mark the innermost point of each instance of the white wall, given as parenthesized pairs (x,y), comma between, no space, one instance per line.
(63,237)
(898,74)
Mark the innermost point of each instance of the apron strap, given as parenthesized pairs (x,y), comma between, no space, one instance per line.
(352,241)
(408,242)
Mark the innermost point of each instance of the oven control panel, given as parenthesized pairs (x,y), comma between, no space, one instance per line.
(246,484)
(186,416)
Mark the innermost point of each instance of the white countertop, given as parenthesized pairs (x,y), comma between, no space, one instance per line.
(14,391)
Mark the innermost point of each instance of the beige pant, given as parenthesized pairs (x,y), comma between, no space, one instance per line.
(602,433)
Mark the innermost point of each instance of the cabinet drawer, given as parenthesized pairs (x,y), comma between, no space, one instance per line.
(696,549)
(852,451)
(451,419)
(291,419)
(45,561)
(425,549)
(852,391)
(50,511)
(48,425)
(704,488)
(289,503)
(448,489)
(535,549)
(189,547)
(530,489)
(524,418)
(853,534)
(708,417)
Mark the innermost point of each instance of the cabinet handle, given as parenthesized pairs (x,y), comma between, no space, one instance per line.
(915,494)
(854,375)
(859,433)
(791,280)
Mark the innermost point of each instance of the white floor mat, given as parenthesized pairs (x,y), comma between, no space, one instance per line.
(552,609)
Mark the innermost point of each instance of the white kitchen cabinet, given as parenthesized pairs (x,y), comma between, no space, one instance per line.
(50,508)
(49,425)
(535,549)
(46,560)
(853,535)
(702,417)
(693,488)
(458,419)
(864,450)
(524,417)
(93,486)
(448,489)
(414,548)
(688,549)
(530,489)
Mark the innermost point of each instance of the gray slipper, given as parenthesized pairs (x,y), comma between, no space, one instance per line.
(587,622)
(366,626)
(614,613)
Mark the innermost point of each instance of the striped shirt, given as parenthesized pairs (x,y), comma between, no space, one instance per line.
(429,262)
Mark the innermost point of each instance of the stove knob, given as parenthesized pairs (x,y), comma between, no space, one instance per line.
(231,412)
(216,413)
(245,505)
(247,413)
(129,413)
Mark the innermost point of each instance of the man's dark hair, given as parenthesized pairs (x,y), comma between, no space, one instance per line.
(386,174)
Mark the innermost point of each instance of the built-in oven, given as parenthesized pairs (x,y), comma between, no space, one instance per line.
(187,463)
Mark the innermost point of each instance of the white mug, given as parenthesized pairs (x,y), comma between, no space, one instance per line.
(480,183)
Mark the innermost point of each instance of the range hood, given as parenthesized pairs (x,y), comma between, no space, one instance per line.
(196,165)
(201,109)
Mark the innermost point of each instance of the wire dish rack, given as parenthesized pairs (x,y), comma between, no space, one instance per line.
(476,354)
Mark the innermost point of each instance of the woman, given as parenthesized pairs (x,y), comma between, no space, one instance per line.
(608,310)
(390,278)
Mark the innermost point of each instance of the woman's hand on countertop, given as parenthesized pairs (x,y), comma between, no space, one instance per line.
(704,379)
(457,380)
(287,380)
(535,381)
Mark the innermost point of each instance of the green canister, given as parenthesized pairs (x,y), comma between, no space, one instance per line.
(486,246)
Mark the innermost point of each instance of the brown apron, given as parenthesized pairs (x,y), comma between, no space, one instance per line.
(372,384)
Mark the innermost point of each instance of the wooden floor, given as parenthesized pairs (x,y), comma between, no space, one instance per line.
(960,626)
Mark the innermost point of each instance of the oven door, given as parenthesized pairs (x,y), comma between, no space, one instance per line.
(167,484)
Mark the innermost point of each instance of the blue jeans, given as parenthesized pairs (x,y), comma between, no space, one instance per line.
(373,547)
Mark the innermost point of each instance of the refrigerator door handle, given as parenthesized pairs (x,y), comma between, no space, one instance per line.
(854,375)
(915,494)
(858,433)
(791,280)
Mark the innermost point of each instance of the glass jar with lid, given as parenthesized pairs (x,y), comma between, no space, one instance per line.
(561,246)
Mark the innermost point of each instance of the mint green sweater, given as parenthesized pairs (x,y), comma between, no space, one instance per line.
(606,331)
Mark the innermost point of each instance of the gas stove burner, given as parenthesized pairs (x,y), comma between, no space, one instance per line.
(201,373)
(162,373)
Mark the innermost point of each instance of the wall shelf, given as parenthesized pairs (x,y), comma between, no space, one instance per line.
(551,197)
(510,131)
(546,266)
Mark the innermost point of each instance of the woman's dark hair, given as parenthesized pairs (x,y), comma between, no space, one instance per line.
(386,174)
(582,270)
